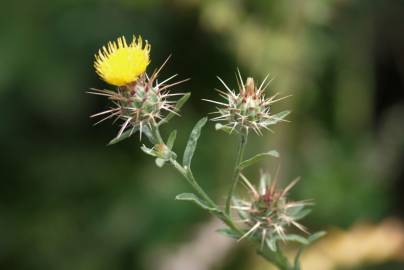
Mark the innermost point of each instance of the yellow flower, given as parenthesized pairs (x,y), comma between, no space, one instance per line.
(119,63)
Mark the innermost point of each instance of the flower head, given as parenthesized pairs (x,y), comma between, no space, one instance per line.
(268,213)
(139,104)
(247,109)
(120,63)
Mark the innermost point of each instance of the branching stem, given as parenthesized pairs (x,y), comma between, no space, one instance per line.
(277,258)
(187,174)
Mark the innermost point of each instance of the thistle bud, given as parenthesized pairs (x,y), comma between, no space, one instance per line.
(247,109)
(139,104)
(268,213)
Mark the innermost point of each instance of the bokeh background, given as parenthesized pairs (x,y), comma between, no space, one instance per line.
(67,201)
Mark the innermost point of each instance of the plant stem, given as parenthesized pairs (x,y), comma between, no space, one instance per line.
(236,171)
(187,174)
(277,258)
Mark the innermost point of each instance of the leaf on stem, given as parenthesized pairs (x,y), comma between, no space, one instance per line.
(316,236)
(171,139)
(258,157)
(192,197)
(192,142)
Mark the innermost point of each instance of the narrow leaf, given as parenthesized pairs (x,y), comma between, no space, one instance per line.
(192,142)
(192,197)
(171,139)
(296,238)
(178,107)
(301,214)
(316,236)
(258,157)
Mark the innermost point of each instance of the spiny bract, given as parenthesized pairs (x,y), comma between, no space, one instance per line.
(268,213)
(248,109)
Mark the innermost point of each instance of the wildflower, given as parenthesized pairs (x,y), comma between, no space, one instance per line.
(248,109)
(120,63)
(139,100)
(269,213)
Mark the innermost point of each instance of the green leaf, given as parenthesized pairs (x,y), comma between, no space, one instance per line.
(298,212)
(192,142)
(177,108)
(192,197)
(302,214)
(171,139)
(229,233)
(271,242)
(316,236)
(278,117)
(258,157)
(296,238)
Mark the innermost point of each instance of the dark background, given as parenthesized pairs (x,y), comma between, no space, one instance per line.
(69,202)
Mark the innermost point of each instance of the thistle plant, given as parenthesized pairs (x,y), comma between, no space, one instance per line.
(266,217)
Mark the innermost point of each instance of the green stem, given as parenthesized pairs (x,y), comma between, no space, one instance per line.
(236,171)
(187,174)
(191,180)
(156,133)
(277,258)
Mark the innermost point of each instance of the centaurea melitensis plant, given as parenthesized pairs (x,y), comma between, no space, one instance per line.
(143,106)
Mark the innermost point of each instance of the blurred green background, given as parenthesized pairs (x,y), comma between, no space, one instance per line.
(69,202)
